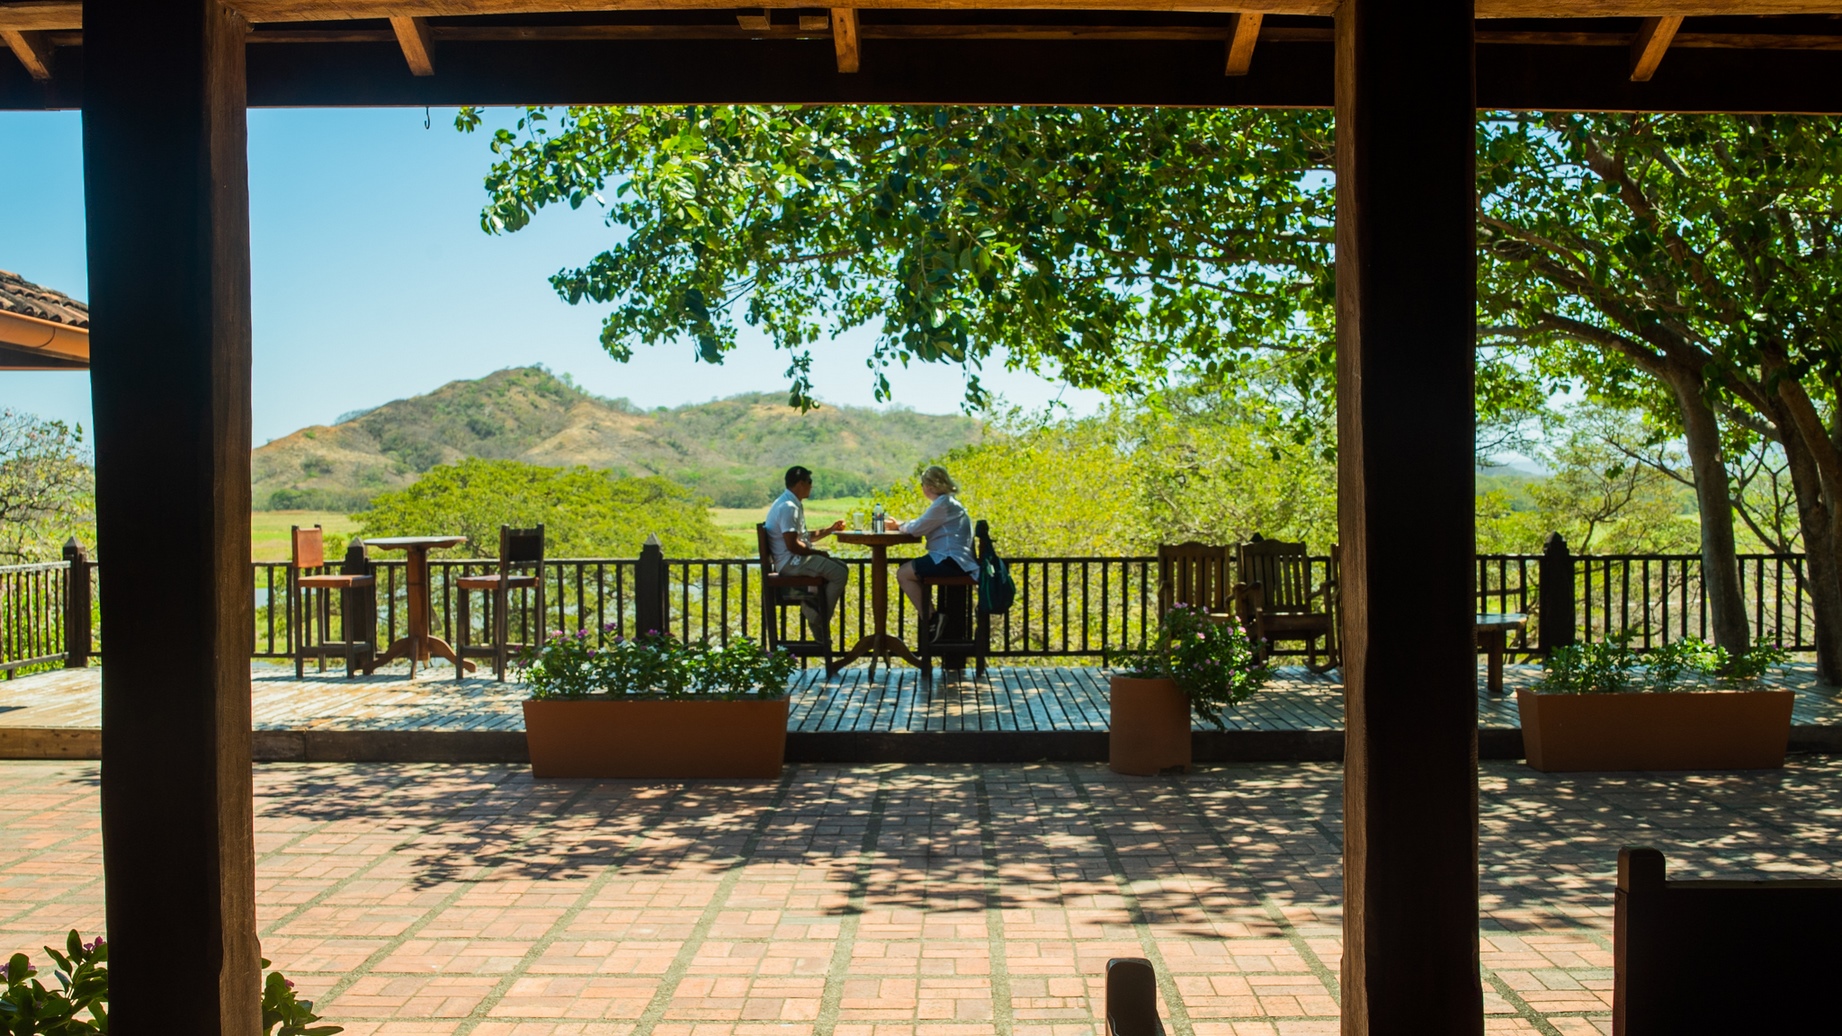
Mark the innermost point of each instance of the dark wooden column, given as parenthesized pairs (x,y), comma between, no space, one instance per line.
(166,189)
(1406,289)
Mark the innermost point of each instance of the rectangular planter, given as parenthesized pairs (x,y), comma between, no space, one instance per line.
(1684,730)
(602,737)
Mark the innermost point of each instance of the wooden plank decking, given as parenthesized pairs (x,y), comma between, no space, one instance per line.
(1046,710)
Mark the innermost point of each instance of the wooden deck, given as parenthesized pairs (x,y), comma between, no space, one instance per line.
(1045,711)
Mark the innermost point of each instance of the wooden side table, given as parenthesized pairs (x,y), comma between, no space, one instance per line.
(1493,630)
(418,644)
(878,642)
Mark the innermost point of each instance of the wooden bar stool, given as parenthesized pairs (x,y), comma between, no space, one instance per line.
(357,588)
(518,549)
(965,630)
(779,593)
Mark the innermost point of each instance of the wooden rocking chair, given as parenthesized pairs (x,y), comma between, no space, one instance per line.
(1195,574)
(1276,600)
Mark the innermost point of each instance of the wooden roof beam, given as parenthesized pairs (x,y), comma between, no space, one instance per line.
(413,37)
(845,39)
(33,49)
(1648,48)
(1241,39)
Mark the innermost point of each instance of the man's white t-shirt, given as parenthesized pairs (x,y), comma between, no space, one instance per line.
(786,514)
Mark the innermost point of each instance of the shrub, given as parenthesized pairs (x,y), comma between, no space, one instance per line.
(1613,667)
(1215,663)
(653,665)
(28,1008)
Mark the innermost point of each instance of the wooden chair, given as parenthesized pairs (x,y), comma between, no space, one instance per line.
(1276,600)
(965,631)
(779,593)
(1195,574)
(358,590)
(519,549)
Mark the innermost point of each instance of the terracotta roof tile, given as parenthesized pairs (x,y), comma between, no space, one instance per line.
(18,295)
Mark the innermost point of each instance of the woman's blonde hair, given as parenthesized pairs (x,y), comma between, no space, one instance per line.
(937,479)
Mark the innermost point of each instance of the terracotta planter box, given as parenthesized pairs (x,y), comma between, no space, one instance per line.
(1684,730)
(600,737)
(1150,728)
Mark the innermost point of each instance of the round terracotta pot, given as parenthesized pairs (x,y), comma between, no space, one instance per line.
(1150,729)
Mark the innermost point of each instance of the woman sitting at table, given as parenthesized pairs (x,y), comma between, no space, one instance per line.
(947,531)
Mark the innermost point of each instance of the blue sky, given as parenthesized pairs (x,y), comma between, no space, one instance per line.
(372,281)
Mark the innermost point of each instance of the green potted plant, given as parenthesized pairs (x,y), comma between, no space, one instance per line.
(1683,706)
(1197,666)
(653,706)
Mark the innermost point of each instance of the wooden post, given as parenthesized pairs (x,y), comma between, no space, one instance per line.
(76,606)
(166,192)
(652,604)
(1406,291)
(1555,622)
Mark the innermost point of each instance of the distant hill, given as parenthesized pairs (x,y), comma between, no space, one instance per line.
(732,450)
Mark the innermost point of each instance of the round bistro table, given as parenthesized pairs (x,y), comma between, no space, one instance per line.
(418,643)
(1493,630)
(878,642)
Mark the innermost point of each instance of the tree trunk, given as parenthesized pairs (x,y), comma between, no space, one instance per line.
(1720,566)
(1822,574)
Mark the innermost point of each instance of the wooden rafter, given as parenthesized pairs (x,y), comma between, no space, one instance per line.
(1648,48)
(42,15)
(33,49)
(418,48)
(1241,40)
(844,38)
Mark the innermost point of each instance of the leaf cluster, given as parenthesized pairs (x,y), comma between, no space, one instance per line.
(1612,666)
(1216,664)
(653,665)
(1103,247)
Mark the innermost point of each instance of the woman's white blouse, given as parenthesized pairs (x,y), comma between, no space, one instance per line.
(948,530)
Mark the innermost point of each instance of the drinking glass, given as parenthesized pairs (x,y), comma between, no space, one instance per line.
(856,521)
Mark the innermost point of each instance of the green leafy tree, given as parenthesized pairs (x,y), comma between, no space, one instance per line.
(47,487)
(1105,247)
(1687,265)
(585,513)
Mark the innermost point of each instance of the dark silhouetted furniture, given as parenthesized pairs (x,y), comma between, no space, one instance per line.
(1132,997)
(965,629)
(311,595)
(1276,600)
(1722,956)
(778,593)
(1195,574)
(521,567)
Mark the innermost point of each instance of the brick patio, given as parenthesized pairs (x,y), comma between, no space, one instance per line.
(891,900)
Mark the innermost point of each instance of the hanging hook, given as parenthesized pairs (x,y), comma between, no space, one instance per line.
(425,117)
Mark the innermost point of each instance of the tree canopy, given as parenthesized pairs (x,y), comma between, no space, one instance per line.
(1104,247)
(585,513)
(47,487)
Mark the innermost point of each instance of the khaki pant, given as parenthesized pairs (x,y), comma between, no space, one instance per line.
(835,573)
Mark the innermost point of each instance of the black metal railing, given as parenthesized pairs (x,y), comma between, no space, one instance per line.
(32,615)
(1066,607)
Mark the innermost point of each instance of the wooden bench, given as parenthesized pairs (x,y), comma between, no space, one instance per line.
(1722,956)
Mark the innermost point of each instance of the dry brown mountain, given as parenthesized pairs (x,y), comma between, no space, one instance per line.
(733,450)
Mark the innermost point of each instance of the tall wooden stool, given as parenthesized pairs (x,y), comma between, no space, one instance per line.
(357,603)
(779,593)
(519,549)
(965,629)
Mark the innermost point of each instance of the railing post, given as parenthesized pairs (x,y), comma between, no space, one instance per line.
(76,607)
(651,590)
(1557,619)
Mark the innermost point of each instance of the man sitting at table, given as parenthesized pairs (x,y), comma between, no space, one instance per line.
(791,545)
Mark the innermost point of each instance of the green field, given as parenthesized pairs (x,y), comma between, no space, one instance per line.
(819,513)
(268,530)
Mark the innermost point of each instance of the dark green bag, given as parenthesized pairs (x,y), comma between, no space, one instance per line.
(996,588)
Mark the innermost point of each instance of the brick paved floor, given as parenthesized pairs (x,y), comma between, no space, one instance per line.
(893,900)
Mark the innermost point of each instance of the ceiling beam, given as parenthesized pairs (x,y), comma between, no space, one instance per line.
(42,15)
(844,38)
(413,36)
(33,49)
(1241,39)
(1648,48)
